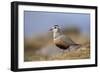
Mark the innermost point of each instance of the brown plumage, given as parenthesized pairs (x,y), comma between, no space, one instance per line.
(61,44)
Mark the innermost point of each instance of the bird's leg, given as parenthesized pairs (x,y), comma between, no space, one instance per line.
(63,51)
(68,49)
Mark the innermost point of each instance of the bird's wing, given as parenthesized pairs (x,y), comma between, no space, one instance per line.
(66,39)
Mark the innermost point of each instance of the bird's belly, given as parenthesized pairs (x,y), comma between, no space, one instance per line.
(61,44)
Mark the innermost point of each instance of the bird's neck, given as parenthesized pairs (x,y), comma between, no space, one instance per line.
(56,34)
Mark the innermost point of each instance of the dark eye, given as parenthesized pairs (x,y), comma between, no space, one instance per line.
(55,27)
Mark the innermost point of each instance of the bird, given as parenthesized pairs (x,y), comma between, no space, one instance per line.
(62,41)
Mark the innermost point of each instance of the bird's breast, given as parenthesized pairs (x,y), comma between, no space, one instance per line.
(61,44)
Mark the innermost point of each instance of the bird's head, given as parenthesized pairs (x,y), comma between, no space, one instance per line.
(55,28)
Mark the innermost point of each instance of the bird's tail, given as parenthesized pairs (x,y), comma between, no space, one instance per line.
(75,46)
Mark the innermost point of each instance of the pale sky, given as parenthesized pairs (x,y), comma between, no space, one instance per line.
(40,22)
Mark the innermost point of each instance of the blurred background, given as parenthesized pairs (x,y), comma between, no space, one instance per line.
(38,40)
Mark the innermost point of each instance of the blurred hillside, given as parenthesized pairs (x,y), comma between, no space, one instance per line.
(42,47)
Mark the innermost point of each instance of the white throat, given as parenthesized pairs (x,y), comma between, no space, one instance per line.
(56,33)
